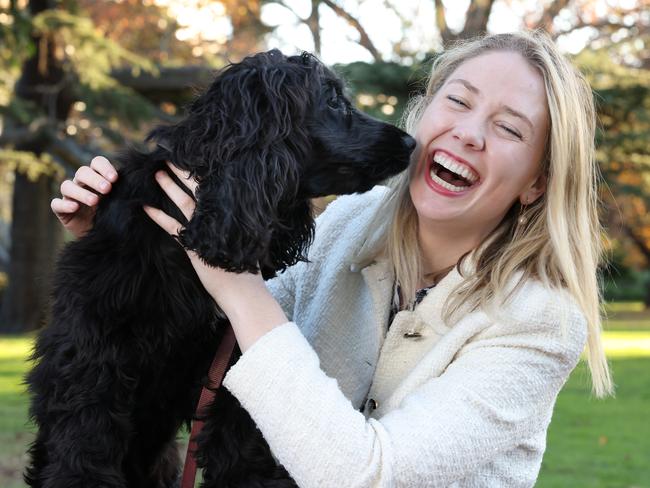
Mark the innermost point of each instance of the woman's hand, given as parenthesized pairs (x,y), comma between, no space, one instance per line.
(81,195)
(243,297)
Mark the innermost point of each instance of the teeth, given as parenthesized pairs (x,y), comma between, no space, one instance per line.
(444,160)
(446,185)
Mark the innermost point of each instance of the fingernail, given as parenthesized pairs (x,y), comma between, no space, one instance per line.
(103,185)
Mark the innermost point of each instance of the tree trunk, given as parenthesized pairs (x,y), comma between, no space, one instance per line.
(248,29)
(643,249)
(476,19)
(313,22)
(35,234)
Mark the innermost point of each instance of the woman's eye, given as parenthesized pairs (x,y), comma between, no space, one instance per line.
(511,131)
(457,101)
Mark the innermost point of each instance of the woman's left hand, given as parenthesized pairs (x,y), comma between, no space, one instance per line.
(243,297)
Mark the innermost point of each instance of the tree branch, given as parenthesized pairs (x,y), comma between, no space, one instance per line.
(640,243)
(313,22)
(168,79)
(13,136)
(441,22)
(63,148)
(283,4)
(606,22)
(582,24)
(550,12)
(364,40)
(404,20)
(477,18)
(66,149)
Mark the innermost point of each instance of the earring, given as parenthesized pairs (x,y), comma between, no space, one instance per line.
(522,218)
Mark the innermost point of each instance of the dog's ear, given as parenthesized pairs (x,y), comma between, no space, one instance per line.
(237,213)
(243,140)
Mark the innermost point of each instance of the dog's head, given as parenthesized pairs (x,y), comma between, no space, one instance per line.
(270,133)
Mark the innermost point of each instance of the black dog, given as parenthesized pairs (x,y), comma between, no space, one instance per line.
(119,369)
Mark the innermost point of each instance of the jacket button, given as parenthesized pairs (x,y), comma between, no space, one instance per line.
(372,404)
(412,334)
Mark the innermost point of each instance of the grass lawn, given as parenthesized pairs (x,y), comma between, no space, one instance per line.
(14,433)
(605,443)
(601,443)
(591,443)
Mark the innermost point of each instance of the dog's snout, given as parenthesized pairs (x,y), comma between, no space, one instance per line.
(409,142)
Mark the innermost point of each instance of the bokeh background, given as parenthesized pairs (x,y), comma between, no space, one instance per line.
(80,78)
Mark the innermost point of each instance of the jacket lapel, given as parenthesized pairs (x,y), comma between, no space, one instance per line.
(379,279)
(405,362)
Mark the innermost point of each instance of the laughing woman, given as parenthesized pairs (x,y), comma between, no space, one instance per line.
(425,342)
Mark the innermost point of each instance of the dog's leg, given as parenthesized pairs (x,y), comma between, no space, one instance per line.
(153,460)
(166,472)
(38,456)
(164,405)
(232,451)
(155,468)
(79,407)
(78,456)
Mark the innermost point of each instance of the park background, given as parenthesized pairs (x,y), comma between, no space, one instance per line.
(80,78)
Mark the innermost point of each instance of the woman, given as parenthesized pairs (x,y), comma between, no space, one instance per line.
(436,322)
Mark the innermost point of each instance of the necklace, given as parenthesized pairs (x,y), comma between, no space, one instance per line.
(435,277)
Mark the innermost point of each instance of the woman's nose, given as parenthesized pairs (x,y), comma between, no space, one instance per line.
(470,135)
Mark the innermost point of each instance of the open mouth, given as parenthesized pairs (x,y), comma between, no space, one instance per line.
(450,174)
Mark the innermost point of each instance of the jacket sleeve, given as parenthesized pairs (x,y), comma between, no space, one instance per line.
(496,393)
(283,289)
(341,217)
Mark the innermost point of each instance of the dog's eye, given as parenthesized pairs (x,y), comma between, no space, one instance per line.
(334,102)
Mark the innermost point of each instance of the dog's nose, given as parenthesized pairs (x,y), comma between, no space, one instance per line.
(409,142)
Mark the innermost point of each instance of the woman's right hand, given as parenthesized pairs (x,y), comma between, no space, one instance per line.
(81,195)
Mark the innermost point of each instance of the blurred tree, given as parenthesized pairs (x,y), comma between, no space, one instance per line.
(623,97)
(312,21)
(182,31)
(80,78)
(44,47)
(43,82)
(476,20)
(383,89)
(142,27)
(616,56)
(248,26)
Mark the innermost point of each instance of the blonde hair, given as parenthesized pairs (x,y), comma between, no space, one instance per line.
(560,243)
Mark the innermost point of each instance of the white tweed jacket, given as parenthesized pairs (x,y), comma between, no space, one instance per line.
(343,403)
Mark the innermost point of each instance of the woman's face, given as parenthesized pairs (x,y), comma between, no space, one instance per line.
(488,123)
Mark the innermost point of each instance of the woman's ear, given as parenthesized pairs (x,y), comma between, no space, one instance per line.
(534,191)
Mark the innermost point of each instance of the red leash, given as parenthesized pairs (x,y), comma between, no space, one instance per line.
(215,376)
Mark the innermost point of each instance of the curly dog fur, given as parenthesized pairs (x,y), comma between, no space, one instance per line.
(118,371)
